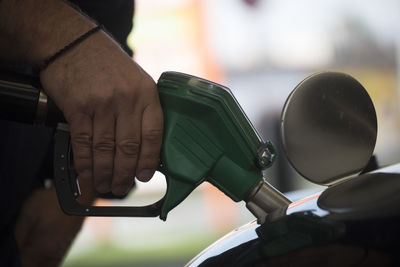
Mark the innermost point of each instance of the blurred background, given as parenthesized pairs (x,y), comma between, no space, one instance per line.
(261,50)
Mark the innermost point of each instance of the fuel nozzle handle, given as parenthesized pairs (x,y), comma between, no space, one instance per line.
(207,137)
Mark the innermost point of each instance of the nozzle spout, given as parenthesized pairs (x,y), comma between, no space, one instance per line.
(267,203)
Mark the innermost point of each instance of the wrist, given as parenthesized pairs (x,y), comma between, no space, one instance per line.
(46,40)
(43,65)
(36,29)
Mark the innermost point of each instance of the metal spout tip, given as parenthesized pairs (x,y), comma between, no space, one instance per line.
(267,203)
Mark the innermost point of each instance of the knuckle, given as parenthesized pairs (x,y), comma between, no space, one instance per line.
(145,88)
(102,98)
(82,145)
(82,139)
(149,84)
(129,147)
(81,105)
(103,101)
(125,93)
(153,137)
(104,145)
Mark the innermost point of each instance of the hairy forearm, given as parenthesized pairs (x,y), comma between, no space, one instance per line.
(33,30)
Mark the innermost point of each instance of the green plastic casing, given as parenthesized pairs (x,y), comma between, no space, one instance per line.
(207,137)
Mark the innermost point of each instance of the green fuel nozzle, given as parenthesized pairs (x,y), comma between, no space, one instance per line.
(209,138)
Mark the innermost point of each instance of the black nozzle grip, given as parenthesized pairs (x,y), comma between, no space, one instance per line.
(22,99)
(18,98)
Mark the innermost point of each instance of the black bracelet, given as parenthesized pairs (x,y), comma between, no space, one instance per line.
(78,40)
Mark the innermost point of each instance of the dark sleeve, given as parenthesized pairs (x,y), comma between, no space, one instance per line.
(115,15)
(8,246)
(23,149)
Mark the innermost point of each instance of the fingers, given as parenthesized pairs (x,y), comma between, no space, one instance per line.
(103,149)
(120,139)
(81,140)
(127,151)
(152,127)
(138,139)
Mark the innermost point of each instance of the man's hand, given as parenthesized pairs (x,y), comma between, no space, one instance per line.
(110,103)
(113,110)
